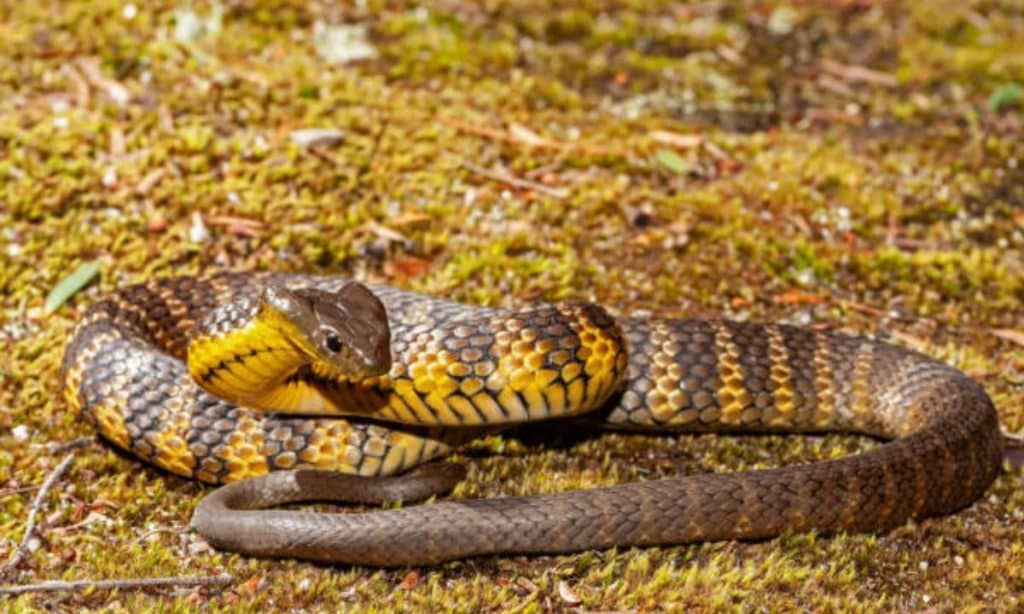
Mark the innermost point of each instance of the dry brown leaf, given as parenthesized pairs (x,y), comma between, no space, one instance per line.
(252,585)
(411,579)
(569,597)
(411,220)
(524,135)
(798,297)
(410,266)
(524,586)
(677,139)
(859,74)
(238,226)
(1009,334)
(150,181)
(93,72)
(117,142)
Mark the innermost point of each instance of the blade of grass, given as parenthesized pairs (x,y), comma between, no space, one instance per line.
(672,161)
(70,285)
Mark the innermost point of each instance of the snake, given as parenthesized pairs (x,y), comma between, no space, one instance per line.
(288,387)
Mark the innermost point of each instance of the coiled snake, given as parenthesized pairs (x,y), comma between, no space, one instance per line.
(303,345)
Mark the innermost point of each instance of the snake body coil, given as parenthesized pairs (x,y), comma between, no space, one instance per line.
(454,369)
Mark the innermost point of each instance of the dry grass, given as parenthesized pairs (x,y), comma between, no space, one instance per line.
(853,169)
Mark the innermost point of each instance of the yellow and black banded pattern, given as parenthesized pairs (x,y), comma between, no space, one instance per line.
(461,366)
(124,370)
(464,367)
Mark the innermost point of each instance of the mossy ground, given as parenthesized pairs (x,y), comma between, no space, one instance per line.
(882,200)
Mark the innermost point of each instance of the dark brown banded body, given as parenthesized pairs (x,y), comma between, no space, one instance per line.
(124,372)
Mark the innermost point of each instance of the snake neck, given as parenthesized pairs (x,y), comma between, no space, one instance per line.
(260,362)
(536,363)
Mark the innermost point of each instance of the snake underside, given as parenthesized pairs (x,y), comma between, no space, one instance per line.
(456,369)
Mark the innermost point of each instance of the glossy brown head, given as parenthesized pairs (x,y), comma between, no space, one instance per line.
(347,330)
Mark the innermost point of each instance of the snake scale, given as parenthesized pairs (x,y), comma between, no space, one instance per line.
(180,372)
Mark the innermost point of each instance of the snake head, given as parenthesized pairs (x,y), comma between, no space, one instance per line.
(346,330)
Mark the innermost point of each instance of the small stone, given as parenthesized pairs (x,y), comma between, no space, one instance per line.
(156,224)
(342,44)
(317,137)
(198,546)
(197,232)
(20,433)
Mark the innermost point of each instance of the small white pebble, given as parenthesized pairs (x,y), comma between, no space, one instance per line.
(234,198)
(129,11)
(958,560)
(199,546)
(14,250)
(926,598)
(318,137)
(923,565)
(806,277)
(343,43)
(197,232)
(420,14)
(803,317)
(782,20)
(305,584)
(20,432)
(109,178)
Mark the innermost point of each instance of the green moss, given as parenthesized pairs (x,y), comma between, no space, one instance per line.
(900,198)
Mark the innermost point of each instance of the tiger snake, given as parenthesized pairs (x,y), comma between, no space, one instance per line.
(290,387)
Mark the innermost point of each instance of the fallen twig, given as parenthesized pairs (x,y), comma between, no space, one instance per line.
(74,444)
(15,491)
(130,583)
(30,527)
(855,306)
(514,181)
(93,73)
(859,74)
(520,135)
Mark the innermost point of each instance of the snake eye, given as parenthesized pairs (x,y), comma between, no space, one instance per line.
(333,343)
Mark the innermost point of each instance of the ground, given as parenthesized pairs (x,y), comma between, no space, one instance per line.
(854,164)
